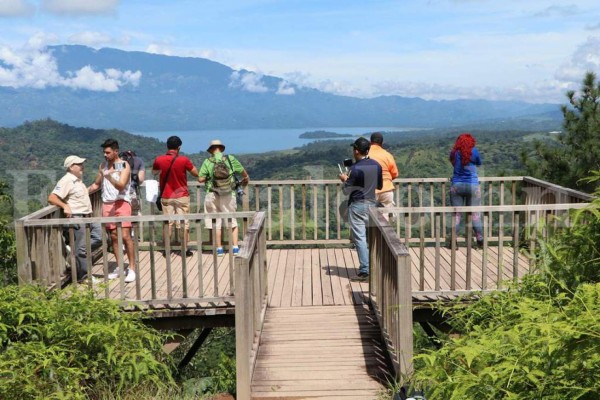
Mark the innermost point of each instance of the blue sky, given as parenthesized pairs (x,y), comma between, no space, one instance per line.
(439,49)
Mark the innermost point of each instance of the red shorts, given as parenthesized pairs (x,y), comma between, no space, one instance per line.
(119,208)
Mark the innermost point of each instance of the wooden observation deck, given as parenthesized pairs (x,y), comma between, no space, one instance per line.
(303,329)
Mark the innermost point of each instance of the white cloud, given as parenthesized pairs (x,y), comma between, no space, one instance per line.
(155,48)
(285,88)
(80,7)
(90,38)
(248,81)
(33,66)
(548,91)
(108,81)
(15,8)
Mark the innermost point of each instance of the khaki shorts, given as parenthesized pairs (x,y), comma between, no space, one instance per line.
(177,206)
(386,198)
(214,203)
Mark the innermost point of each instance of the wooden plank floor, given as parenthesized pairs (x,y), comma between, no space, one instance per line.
(304,277)
(320,352)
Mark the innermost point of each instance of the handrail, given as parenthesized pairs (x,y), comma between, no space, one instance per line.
(390,260)
(251,294)
(539,191)
(306,211)
(512,230)
(42,258)
(391,293)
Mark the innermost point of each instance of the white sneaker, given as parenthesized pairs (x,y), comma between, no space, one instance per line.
(130,276)
(115,274)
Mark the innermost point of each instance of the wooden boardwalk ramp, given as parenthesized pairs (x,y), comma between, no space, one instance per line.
(320,352)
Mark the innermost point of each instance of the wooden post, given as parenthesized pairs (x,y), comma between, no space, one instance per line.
(23,261)
(243,329)
(405,320)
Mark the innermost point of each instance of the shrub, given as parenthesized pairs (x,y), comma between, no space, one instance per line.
(67,344)
(517,346)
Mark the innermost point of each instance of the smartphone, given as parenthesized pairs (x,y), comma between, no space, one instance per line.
(120,166)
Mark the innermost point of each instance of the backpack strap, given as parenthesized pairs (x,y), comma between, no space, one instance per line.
(235,177)
(163,184)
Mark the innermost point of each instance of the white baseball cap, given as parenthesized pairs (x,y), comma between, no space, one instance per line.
(72,160)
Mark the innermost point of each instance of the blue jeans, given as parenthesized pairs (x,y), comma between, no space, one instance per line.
(358,216)
(467,194)
(80,247)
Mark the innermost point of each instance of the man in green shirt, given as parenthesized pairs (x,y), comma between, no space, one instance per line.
(220,190)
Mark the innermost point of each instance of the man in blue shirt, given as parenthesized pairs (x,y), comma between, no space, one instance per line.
(363,178)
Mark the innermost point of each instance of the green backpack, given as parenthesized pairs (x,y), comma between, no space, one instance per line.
(223,181)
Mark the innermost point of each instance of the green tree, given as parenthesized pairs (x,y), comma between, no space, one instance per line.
(576,152)
(8,258)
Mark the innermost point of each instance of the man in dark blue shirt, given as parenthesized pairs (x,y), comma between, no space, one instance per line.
(363,178)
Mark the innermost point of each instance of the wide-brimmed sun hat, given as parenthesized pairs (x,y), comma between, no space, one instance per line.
(216,143)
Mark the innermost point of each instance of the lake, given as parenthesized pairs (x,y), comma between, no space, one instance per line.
(240,141)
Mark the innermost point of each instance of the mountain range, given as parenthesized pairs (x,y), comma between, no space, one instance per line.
(179,93)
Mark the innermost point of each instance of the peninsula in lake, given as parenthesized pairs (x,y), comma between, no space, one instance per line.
(323,135)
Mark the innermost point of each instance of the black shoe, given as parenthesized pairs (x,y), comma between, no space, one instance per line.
(163,253)
(361,277)
(480,244)
(189,253)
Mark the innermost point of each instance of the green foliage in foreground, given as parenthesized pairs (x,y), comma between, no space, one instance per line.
(520,346)
(8,252)
(68,345)
(539,340)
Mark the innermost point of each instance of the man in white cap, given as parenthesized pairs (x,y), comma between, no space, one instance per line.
(71,194)
(220,193)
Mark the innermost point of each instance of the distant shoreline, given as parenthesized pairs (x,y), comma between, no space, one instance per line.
(323,135)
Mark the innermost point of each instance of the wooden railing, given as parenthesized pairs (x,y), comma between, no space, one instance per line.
(390,292)
(515,228)
(41,256)
(306,211)
(540,192)
(251,295)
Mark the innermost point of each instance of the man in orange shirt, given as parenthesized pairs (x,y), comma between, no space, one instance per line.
(385,196)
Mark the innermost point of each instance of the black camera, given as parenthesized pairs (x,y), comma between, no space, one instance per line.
(347,163)
(239,191)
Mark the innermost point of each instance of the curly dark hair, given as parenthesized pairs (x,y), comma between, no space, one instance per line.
(464,143)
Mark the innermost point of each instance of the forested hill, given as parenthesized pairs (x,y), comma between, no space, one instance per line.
(40,147)
(43,145)
(418,155)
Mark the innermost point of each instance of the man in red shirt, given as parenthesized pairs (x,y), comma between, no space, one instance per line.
(175,195)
